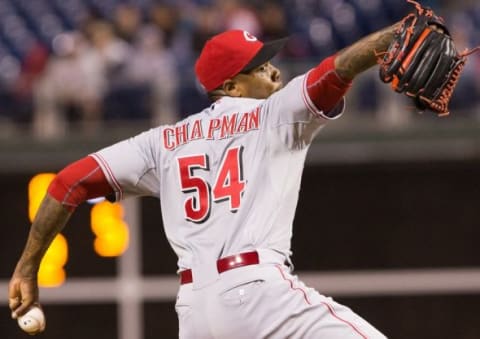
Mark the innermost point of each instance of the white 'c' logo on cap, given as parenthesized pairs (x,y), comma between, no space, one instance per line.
(248,36)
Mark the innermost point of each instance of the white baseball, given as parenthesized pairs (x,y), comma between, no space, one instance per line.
(33,321)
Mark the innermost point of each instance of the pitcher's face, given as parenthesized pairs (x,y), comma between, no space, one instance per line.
(259,83)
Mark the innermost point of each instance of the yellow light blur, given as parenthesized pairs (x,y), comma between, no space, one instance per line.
(110,229)
(51,276)
(37,188)
(57,253)
(51,272)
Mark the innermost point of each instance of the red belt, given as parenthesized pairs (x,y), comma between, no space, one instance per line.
(225,264)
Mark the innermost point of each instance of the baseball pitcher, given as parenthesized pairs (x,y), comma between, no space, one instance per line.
(228,181)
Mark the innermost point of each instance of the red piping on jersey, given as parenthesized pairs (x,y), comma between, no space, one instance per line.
(113,180)
(310,106)
(79,181)
(328,306)
(325,87)
(294,288)
(332,312)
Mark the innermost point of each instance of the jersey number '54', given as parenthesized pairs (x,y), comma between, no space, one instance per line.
(229,183)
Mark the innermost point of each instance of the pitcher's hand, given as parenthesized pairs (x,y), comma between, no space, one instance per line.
(22,294)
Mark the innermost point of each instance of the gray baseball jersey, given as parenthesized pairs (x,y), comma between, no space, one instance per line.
(228,179)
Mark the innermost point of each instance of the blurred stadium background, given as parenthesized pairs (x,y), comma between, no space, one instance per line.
(387,221)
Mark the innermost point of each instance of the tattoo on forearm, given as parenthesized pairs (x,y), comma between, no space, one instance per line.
(362,55)
(50,220)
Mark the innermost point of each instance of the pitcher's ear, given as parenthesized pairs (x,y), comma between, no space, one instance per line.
(232,88)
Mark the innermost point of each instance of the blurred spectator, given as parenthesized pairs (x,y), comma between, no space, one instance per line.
(207,24)
(111,51)
(237,14)
(273,20)
(167,18)
(134,59)
(20,102)
(127,21)
(33,66)
(71,79)
(153,65)
(76,80)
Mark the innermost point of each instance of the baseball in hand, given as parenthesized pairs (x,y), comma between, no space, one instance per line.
(33,321)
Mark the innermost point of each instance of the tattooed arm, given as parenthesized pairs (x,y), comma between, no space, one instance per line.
(49,221)
(73,185)
(361,55)
(328,83)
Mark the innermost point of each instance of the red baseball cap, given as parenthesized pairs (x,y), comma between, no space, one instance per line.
(231,52)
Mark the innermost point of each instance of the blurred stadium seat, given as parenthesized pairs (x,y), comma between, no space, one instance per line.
(24,21)
(317,28)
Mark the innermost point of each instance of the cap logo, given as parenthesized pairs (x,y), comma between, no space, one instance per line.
(249,37)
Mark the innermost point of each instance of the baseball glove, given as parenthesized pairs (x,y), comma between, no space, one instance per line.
(422,61)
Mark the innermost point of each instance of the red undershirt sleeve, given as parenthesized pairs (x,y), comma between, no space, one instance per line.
(325,87)
(78,182)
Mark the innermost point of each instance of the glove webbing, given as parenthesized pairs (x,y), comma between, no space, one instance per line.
(393,62)
(440,105)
